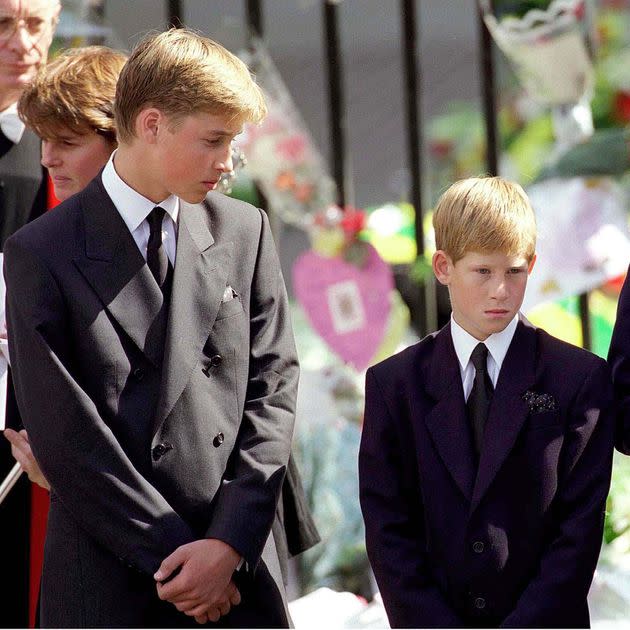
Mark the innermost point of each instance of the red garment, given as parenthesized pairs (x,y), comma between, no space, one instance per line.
(39,513)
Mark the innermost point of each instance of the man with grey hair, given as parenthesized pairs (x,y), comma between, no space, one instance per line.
(26,32)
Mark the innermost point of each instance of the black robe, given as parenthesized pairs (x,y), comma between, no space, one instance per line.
(22,198)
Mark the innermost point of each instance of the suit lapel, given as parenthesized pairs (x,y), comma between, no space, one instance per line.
(508,410)
(199,282)
(116,270)
(5,144)
(447,421)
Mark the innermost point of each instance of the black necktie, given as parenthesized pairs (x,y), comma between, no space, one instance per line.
(157,260)
(478,403)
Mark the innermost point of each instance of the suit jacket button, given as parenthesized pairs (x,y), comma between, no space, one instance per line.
(138,374)
(160,450)
(478,547)
(218,440)
(214,362)
(480,603)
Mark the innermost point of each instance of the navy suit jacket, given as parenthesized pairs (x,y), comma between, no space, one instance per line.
(619,360)
(514,540)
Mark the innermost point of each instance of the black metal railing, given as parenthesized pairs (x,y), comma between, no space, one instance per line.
(424,303)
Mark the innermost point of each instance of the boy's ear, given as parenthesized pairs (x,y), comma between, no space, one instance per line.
(442,266)
(531,265)
(148,123)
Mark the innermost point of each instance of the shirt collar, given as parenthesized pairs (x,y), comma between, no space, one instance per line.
(497,343)
(132,206)
(10,123)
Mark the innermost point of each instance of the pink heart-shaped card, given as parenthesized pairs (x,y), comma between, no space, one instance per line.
(347,305)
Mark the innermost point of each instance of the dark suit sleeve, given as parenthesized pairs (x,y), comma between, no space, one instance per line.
(394,528)
(299,528)
(619,361)
(566,567)
(78,453)
(249,493)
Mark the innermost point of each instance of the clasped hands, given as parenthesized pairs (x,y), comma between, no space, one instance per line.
(203,588)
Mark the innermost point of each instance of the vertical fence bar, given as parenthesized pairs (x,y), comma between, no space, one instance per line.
(175,14)
(488,94)
(425,315)
(585,321)
(254,19)
(336,103)
(255,30)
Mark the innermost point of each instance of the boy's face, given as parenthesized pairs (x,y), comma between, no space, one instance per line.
(73,160)
(192,155)
(486,290)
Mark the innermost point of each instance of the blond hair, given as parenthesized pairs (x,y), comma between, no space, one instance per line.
(485,214)
(181,72)
(74,92)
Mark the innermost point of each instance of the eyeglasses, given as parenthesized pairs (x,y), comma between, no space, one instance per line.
(35,26)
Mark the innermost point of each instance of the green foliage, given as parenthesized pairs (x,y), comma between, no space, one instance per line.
(605,153)
(618,503)
(530,147)
(420,270)
(518,8)
(603,101)
(244,189)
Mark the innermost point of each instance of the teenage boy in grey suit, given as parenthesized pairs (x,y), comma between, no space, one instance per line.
(155,365)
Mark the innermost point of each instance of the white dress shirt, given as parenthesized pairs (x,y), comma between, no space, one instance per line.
(134,210)
(497,345)
(10,123)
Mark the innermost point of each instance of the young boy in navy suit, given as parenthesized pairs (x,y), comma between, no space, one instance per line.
(486,452)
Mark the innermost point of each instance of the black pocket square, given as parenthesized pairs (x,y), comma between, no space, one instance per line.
(539,402)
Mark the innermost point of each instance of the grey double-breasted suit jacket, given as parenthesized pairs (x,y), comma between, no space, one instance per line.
(151,443)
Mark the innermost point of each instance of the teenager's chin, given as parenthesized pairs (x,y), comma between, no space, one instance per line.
(63,192)
(495,327)
(192,198)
